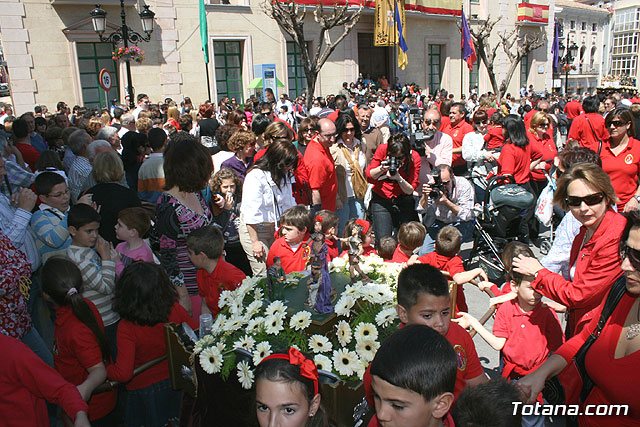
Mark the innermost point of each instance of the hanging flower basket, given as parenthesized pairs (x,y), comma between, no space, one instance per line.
(567,68)
(133,53)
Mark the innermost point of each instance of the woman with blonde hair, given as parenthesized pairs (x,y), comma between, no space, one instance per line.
(173,115)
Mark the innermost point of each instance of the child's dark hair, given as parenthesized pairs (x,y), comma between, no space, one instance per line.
(411,235)
(49,159)
(281,370)
(135,218)
(157,138)
(419,359)
(80,215)
(144,294)
(488,404)
(510,251)
(348,229)
(208,240)
(297,216)
(46,181)
(329,219)
(448,241)
(225,173)
(61,280)
(417,279)
(386,247)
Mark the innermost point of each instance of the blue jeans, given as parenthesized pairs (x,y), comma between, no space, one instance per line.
(388,214)
(152,406)
(354,208)
(465,227)
(34,341)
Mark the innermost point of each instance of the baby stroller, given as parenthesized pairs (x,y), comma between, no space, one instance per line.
(497,222)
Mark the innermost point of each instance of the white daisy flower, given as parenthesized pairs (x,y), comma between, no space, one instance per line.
(386,317)
(273,324)
(366,349)
(247,342)
(206,341)
(218,325)
(359,368)
(343,333)
(301,320)
(276,307)
(344,305)
(224,299)
(258,294)
(255,325)
(344,361)
(245,375)
(211,360)
(319,344)
(220,346)
(263,349)
(366,330)
(322,362)
(253,308)
(233,324)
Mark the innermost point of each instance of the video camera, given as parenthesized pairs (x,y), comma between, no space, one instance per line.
(437,188)
(416,132)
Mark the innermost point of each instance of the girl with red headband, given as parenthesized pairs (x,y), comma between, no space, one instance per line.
(287,392)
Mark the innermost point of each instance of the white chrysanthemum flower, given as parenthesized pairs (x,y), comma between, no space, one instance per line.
(233,324)
(273,324)
(258,294)
(301,320)
(220,346)
(247,342)
(359,368)
(338,263)
(245,375)
(344,305)
(366,349)
(245,287)
(255,325)
(206,341)
(276,307)
(218,325)
(343,333)
(319,344)
(253,308)
(211,360)
(366,330)
(263,349)
(386,317)
(344,361)
(322,362)
(225,298)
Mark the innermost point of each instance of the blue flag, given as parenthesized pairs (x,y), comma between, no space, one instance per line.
(468,49)
(555,47)
(402,44)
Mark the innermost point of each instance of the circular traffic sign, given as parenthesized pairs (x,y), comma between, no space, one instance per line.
(105,79)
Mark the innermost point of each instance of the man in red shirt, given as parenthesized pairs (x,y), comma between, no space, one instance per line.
(23,144)
(457,129)
(588,128)
(322,169)
(573,109)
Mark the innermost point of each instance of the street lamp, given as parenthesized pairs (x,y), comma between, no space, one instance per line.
(567,59)
(123,34)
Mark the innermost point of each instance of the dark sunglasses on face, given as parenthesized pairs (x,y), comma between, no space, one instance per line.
(617,123)
(483,122)
(632,254)
(590,200)
(429,122)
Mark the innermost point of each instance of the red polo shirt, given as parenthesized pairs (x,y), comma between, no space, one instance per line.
(573,109)
(453,266)
(581,131)
(334,250)
(366,251)
(457,133)
(75,351)
(494,138)
(515,161)
(543,148)
(531,336)
(399,256)
(322,173)
(29,154)
(291,260)
(623,170)
(387,188)
(224,277)
(444,122)
(527,122)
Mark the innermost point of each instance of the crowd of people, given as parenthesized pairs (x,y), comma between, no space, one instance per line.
(116,222)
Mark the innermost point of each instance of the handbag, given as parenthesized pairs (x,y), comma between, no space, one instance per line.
(595,136)
(358,181)
(573,384)
(544,206)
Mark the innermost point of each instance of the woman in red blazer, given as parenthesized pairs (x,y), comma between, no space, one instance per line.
(586,190)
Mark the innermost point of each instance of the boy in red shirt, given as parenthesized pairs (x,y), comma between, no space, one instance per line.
(410,237)
(329,222)
(446,258)
(386,248)
(291,247)
(214,274)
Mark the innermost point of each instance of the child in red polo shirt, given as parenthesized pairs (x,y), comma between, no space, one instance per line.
(366,235)
(386,248)
(410,237)
(291,246)
(80,347)
(446,258)
(214,274)
(330,222)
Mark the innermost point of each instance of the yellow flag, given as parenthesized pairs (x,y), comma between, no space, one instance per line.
(402,59)
(384,24)
(401,33)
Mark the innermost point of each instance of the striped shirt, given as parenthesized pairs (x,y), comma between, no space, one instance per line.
(98,280)
(49,227)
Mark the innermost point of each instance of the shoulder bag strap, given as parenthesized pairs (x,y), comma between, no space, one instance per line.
(594,134)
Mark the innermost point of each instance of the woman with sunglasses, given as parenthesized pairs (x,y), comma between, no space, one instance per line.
(481,159)
(307,130)
(611,362)
(621,158)
(586,191)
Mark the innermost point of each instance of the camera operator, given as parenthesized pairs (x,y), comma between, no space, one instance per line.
(437,145)
(393,171)
(447,200)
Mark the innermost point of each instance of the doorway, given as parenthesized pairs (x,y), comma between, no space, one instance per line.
(374,60)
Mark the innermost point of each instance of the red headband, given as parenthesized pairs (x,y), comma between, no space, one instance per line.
(364,224)
(318,218)
(307,367)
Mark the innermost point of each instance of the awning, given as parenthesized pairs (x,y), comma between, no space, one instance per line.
(257,83)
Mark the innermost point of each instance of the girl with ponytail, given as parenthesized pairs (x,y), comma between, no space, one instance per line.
(80,347)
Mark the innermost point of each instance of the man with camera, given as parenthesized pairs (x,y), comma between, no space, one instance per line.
(434,146)
(447,200)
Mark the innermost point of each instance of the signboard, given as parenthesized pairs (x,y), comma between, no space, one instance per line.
(105,80)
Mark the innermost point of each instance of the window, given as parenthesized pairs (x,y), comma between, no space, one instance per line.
(624,65)
(435,67)
(573,25)
(625,44)
(474,75)
(228,66)
(295,70)
(594,27)
(583,26)
(627,19)
(524,70)
(93,57)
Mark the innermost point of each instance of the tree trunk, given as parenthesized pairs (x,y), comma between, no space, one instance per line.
(312,78)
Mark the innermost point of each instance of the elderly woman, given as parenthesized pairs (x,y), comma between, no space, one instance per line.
(243,144)
(586,191)
(621,158)
(181,209)
(481,159)
(266,194)
(110,134)
(611,361)
(349,156)
(110,196)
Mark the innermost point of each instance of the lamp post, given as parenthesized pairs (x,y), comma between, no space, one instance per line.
(123,34)
(567,59)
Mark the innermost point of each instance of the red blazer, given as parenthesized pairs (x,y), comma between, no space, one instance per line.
(597,266)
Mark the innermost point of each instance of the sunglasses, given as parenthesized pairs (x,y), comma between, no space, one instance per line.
(590,200)
(429,122)
(617,123)
(632,254)
(483,122)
